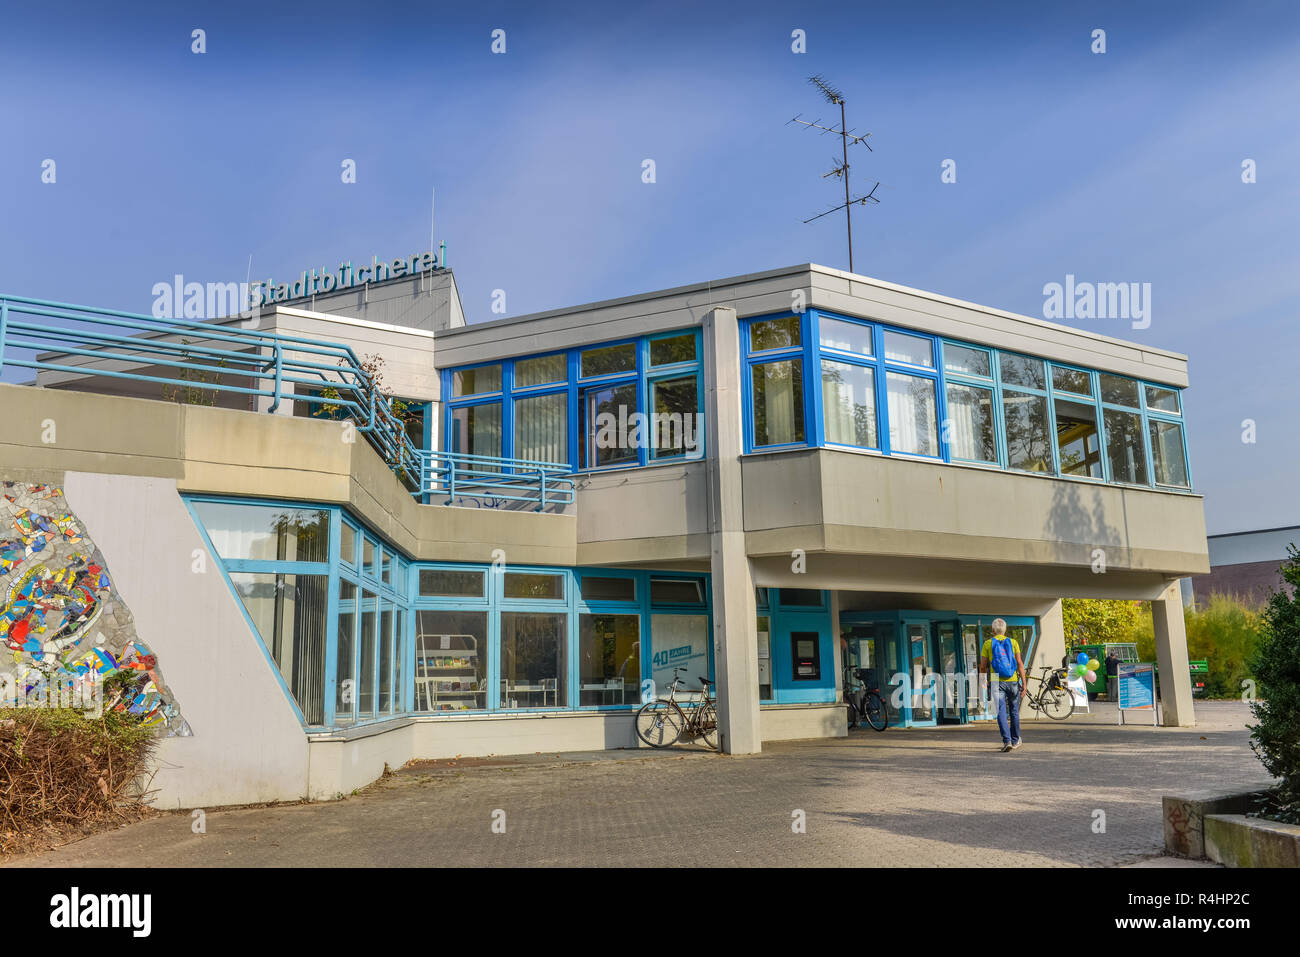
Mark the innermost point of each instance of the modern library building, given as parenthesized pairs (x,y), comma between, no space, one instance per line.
(349,530)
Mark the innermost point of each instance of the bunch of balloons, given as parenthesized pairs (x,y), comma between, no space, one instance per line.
(1086,668)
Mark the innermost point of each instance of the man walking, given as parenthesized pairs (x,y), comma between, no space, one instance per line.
(1003,655)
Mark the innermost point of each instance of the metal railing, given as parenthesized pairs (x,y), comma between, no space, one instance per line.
(202,357)
(496,480)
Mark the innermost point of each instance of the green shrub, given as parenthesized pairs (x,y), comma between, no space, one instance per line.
(1276,667)
(1223,631)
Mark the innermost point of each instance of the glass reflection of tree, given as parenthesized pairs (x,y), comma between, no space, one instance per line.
(1027,432)
(309,531)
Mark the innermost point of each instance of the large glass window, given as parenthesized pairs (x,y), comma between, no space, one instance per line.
(611,428)
(914,350)
(1076,381)
(476,430)
(844,336)
(542,428)
(610,431)
(385,693)
(670,350)
(679,641)
(1163,400)
(451,660)
(533,660)
(451,583)
(608,588)
(1117,390)
(476,381)
(849,404)
(778,402)
(289,614)
(266,532)
(541,370)
(1022,371)
(536,585)
(966,360)
(1026,425)
(369,652)
(1077,439)
(780,333)
(913,420)
(608,360)
(972,434)
(1124,446)
(674,425)
(345,685)
(1167,453)
(676,591)
(609,659)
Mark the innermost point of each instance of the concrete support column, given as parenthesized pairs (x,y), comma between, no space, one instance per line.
(735,639)
(1171,656)
(1052,640)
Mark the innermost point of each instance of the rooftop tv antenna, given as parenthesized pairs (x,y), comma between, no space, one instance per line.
(847,138)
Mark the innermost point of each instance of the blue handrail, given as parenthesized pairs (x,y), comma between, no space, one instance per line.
(49,336)
(222,357)
(456,474)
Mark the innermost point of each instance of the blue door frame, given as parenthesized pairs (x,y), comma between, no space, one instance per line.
(909,703)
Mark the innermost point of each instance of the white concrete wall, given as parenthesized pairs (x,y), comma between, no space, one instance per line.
(796,722)
(248,745)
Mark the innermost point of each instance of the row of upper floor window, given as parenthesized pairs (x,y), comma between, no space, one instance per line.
(825,380)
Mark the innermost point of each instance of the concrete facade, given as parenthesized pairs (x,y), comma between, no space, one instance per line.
(872,532)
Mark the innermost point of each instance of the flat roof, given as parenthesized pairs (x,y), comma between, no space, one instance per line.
(708,285)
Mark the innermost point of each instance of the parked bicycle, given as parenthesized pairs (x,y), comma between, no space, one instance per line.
(865,701)
(1054,698)
(662,722)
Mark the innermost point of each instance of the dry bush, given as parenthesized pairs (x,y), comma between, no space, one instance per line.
(63,775)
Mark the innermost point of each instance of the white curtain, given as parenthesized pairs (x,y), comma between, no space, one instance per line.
(541,428)
(912,425)
(968,410)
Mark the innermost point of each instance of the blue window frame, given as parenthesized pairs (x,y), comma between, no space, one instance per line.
(618,404)
(779,413)
(887,390)
(359,633)
(796,654)
(325,598)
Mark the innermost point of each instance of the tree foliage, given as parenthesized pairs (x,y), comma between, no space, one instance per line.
(1276,666)
(1095,620)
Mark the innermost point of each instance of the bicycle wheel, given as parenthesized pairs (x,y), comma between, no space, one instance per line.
(874,711)
(1058,703)
(854,716)
(708,724)
(659,723)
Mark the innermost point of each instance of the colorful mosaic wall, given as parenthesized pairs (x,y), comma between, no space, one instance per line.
(62,623)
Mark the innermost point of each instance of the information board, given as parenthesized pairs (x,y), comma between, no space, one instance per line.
(1136,685)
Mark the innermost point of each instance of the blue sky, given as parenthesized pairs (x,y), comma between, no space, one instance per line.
(1115,167)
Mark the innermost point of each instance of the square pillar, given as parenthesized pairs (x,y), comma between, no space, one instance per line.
(1171,656)
(735,638)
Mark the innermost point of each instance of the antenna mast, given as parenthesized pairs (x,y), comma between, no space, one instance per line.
(847,139)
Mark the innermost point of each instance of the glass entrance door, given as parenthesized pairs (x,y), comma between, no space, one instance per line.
(977,693)
(922,708)
(951,689)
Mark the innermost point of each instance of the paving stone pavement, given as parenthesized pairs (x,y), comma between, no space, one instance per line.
(905,797)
